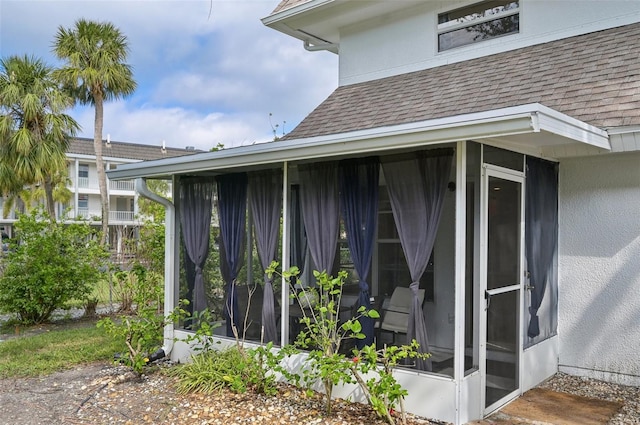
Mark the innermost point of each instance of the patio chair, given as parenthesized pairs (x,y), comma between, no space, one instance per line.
(394,316)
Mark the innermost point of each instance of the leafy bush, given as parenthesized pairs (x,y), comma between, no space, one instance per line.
(141,332)
(137,287)
(323,333)
(48,265)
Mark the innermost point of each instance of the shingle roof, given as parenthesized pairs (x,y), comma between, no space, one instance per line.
(593,77)
(126,150)
(287,4)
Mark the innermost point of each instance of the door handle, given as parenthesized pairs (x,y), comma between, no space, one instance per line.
(487,297)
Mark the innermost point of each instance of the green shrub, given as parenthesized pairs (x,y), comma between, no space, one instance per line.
(233,368)
(48,265)
(142,331)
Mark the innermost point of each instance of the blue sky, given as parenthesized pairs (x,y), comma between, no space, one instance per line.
(208,71)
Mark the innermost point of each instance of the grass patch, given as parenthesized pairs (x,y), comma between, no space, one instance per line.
(56,350)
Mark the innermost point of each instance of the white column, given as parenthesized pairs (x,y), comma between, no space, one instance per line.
(286,243)
(460,263)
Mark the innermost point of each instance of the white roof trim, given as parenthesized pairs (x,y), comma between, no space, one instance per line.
(524,119)
(292,11)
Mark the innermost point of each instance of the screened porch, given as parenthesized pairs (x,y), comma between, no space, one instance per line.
(389,221)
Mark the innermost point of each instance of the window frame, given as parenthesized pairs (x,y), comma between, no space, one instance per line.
(82,198)
(81,169)
(453,26)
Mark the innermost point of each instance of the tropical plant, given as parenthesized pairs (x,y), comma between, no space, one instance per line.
(95,71)
(141,331)
(47,266)
(34,131)
(322,332)
(383,392)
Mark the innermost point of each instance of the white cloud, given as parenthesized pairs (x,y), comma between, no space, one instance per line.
(176,126)
(201,79)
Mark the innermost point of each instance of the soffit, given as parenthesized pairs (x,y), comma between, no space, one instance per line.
(318,21)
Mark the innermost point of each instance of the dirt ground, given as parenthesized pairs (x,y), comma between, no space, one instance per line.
(103,393)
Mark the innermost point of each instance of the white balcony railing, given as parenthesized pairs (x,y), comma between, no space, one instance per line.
(83,182)
(114,216)
(122,185)
(88,183)
(120,216)
(91,183)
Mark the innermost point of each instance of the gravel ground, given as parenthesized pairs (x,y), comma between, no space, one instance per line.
(105,394)
(585,387)
(121,398)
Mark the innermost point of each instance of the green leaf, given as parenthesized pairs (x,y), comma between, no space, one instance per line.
(373,314)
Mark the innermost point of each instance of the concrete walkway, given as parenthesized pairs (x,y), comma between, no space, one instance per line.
(545,407)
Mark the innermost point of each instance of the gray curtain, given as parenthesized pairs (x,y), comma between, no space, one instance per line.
(232,210)
(320,211)
(541,235)
(195,198)
(298,235)
(416,188)
(265,188)
(359,183)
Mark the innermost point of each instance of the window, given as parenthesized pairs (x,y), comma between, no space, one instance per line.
(83,175)
(83,202)
(83,171)
(478,22)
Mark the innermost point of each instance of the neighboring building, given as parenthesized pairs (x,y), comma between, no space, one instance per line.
(83,183)
(507,138)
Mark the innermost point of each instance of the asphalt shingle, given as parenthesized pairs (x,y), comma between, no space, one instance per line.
(135,151)
(593,77)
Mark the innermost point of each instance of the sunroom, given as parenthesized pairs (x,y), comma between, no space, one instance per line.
(460,213)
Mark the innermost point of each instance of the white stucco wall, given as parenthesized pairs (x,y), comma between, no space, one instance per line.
(407,40)
(599,267)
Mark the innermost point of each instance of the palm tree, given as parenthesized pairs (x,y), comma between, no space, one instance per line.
(95,71)
(34,131)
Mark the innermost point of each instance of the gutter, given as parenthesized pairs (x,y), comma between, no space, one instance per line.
(332,47)
(169,267)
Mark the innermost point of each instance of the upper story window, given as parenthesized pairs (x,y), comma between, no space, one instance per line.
(478,22)
(83,170)
(83,201)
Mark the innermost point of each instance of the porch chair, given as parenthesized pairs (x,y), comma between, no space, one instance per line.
(394,317)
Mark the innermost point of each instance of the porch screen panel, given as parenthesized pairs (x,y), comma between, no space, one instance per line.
(359,182)
(190,275)
(232,211)
(298,236)
(266,204)
(320,211)
(541,240)
(196,197)
(417,187)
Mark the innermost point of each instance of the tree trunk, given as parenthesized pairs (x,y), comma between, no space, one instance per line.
(102,176)
(48,192)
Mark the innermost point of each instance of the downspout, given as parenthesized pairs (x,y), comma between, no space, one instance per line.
(169,254)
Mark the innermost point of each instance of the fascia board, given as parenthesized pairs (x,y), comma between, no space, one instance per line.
(472,126)
(570,128)
(524,119)
(624,129)
(293,11)
(104,158)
